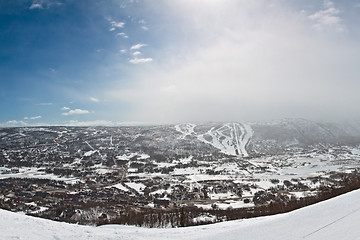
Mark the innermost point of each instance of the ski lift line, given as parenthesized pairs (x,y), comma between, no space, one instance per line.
(333,222)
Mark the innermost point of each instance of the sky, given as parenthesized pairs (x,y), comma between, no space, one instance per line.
(114,62)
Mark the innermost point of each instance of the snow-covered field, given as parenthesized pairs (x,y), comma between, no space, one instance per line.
(36,173)
(336,218)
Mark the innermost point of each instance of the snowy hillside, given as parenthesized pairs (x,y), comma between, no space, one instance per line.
(336,218)
(274,137)
(229,138)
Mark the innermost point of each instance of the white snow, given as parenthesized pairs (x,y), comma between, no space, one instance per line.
(185,129)
(89,153)
(248,133)
(119,186)
(231,138)
(216,196)
(204,218)
(139,187)
(103,170)
(129,155)
(203,177)
(334,219)
(185,171)
(226,205)
(89,145)
(37,173)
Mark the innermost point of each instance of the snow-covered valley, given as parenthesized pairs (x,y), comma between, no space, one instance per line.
(102,175)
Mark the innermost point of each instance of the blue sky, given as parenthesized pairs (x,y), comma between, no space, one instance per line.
(89,62)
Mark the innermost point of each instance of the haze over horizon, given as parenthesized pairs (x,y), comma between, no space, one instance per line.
(67,62)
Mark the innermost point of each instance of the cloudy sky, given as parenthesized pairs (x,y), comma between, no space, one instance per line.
(90,62)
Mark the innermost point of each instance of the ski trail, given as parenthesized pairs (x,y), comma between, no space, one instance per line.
(249,134)
(90,146)
(216,142)
(246,137)
(243,143)
(219,140)
(229,138)
(236,137)
(185,129)
(227,141)
(102,157)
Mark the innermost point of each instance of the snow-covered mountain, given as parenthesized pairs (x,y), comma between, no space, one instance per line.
(232,138)
(333,219)
(275,137)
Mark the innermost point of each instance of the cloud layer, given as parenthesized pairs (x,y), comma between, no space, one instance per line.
(180,61)
(247,61)
(75,112)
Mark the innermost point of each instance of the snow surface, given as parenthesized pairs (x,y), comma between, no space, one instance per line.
(139,187)
(36,173)
(119,186)
(336,218)
(185,129)
(89,153)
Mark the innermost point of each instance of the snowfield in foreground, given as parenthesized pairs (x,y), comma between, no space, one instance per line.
(336,218)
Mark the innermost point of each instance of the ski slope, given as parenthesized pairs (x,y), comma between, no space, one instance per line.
(230,138)
(336,218)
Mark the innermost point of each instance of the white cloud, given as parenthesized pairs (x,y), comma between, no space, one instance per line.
(44,4)
(102,123)
(143,22)
(65,108)
(115,25)
(137,53)
(76,112)
(123,51)
(122,34)
(90,123)
(137,46)
(93,99)
(35,5)
(14,123)
(32,118)
(44,104)
(328,18)
(140,60)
